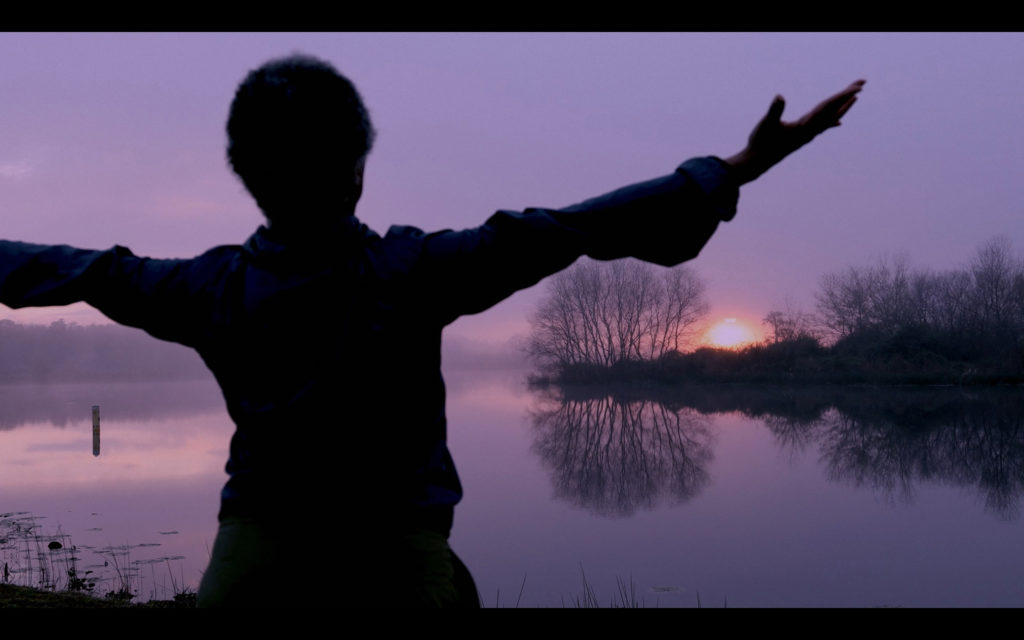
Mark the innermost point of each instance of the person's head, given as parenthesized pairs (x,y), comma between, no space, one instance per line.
(298,137)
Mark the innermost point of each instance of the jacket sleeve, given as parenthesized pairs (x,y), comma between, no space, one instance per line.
(160,296)
(665,221)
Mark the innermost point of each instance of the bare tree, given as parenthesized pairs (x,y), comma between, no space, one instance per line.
(790,324)
(843,305)
(976,311)
(995,271)
(881,297)
(606,312)
(683,308)
(952,303)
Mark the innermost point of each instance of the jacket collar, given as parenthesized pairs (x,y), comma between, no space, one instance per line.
(322,244)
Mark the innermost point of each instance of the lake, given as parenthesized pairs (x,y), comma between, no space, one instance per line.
(705,495)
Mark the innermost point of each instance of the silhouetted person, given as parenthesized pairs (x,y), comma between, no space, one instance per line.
(326,337)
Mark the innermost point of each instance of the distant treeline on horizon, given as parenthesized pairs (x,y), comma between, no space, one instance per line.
(69,352)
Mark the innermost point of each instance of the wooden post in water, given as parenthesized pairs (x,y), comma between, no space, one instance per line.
(95,429)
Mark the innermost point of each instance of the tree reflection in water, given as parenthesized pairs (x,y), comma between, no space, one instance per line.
(893,443)
(615,452)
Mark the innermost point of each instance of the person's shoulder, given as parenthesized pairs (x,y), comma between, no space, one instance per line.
(404,234)
(220,254)
(400,248)
(221,251)
(208,270)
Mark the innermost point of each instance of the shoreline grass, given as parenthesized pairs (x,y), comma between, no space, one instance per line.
(14,596)
(44,571)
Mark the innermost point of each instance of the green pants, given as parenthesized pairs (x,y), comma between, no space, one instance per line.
(254,565)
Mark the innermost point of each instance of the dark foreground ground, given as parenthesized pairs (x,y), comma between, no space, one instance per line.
(16,597)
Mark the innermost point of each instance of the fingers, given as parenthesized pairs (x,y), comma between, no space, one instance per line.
(828,113)
(846,107)
(775,110)
(842,110)
(845,95)
(854,87)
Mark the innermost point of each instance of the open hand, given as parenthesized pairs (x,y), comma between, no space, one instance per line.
(772,139)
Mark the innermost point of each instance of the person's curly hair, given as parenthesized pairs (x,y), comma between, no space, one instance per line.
(294,124)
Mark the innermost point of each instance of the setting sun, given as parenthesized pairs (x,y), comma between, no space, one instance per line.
(729,334)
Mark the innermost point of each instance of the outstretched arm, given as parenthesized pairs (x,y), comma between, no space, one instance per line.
(665,221)
(772,139)
(161,296)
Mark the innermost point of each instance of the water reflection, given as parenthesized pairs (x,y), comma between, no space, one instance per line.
(68,404)
(893,442)
(151,498)
(613,450)
(613,454)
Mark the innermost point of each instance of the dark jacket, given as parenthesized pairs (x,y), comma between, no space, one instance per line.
(328,349)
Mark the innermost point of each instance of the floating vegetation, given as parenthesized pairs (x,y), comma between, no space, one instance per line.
(159,560)
(167,533)
(124,548)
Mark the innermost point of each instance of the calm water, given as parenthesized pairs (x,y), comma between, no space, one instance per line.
(751,497)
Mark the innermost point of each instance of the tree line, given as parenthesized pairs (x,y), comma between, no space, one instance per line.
(68,352)
(972,316)
(881,322)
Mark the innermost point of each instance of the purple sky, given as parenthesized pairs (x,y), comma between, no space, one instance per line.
(118,138)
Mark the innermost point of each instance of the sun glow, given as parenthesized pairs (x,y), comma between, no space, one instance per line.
(729,334)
